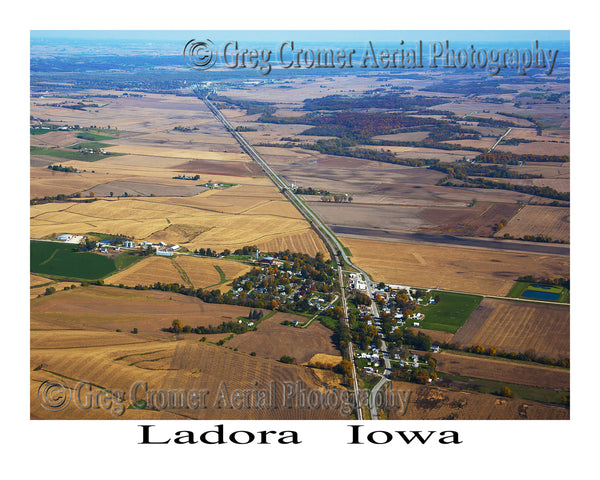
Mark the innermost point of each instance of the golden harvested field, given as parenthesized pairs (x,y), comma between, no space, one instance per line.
(112,308)
(230,218)
(148,272)
(517,327)
(74,339)
(462,269)
(34,292)
(428,402)
(202,272)
(156,151)
(37,280)
(553,222)
(273,340)
(306,241)
(504,371)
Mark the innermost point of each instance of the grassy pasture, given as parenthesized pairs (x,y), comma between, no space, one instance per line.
(450,313)
(63,261)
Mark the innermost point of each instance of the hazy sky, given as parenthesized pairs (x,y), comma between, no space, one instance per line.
(305,35)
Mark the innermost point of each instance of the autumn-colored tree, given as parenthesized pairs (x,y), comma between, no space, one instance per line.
(176,326)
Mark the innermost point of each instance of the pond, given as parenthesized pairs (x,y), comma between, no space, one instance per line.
(540,295)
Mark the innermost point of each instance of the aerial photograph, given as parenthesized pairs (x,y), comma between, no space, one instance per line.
(299,225)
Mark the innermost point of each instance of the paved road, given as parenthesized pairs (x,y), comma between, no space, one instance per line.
(328,237)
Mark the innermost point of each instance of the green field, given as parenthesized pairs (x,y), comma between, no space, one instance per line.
(71,155)
(94,136)
(450,313)
(61,260)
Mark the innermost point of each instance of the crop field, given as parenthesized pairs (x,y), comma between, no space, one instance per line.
(553,222)
(74,338)
(203,273)
(462,269)
(478,220)
(112,308)
(273,340)
(504,371)
(148,272)
(35,280)
(230,218)
(517,327)
(450,313)
(156,151)
(435,403)
(51,258)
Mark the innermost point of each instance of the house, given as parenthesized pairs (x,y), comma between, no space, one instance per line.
(416,324)
(173,248)
(435,349)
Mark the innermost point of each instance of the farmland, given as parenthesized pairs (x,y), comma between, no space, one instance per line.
(450,313)
(63,260)
(273,340)
(552,222)
(436,403)
(74,338)
(461,269)
(191,271)
(504,371)
(230,218)
(396,166)
(518,327)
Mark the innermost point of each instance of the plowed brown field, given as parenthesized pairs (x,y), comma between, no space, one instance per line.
(518,327)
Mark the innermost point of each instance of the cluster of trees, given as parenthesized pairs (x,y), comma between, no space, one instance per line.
(560,282)
(414,375)
(243,128)
(353,125)
(252,107)
(185,129)
(509,158)
(528,355)
(361,299)
(546,192)
(363,335)
(337,198)
(225,327)
(61,197)
(462,170)
(255,315)
(388,102)
(207,252)
(87,245)
(536,238)
(310,191)
(487,87)
(60,168)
